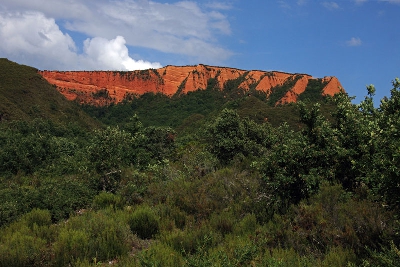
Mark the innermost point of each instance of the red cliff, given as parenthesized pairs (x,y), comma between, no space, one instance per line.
(105,87)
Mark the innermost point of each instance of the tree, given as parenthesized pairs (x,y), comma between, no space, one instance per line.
(109,150)
(230,136)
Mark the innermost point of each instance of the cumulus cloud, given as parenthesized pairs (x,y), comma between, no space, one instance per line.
(354,41)
(182,28)
(33,39)
(331,5)
(112,54)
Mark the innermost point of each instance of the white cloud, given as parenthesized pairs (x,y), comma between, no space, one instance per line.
(331,5)
(112,54)
(31,38)
(354,41)
(182,28)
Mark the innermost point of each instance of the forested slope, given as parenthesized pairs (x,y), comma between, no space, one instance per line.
(223,188)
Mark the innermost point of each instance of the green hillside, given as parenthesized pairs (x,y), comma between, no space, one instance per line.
(203,105)
(209,178)
(25,95)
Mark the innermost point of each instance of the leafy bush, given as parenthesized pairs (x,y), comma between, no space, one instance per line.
(160,255)
(37,218)
(247,225)
(99,236)
(191,240)
(222,222)
(331,218)
(171,217)
(144,222)
(106,200)
(19,249)
(64,197)
(71,245)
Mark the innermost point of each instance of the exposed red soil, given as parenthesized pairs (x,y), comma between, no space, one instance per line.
(91,86)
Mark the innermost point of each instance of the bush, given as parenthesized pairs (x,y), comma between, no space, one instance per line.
(172,217)
(20,249)
(144,222)
(388,257)
(106,200)
(64,196)
(247,225)
(222,223)
(37,217)
(338,256)
(97,236)
(71,245)
(160,255)
(192,240)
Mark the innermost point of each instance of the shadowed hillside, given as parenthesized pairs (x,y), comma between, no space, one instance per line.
(25,95)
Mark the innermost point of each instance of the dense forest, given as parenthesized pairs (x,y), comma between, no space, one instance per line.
(211,178)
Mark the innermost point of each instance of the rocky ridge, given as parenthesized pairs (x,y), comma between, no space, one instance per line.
(106,87)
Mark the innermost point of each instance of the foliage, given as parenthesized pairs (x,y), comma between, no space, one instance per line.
(26,95)
(210,178)
(229,136)
(144,222)
(313,92)
(277,92)
(98,236)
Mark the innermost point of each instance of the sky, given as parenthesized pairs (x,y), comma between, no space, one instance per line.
(358,41)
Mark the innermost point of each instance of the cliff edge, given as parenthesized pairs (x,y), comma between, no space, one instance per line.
(106,87)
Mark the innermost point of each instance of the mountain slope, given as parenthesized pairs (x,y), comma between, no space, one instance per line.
(106,87)
(25,95)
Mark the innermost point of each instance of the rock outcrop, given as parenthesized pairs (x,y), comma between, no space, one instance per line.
(105,87)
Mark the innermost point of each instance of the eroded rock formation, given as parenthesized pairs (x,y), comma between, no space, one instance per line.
(105,87)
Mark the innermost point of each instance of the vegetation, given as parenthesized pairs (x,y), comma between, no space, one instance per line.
(317,187)
(26,95)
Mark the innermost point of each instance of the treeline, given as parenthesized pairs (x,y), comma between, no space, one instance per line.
(228,190)
(157,109)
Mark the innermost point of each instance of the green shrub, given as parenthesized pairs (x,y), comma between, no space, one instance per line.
(64,196)
(387,257)
(37,217)
(191,240)
(20,249)
(247,225)
(160,255)
(71,245)
(172,216)
(338,256)
(106,200)
(144,222)
(102,235)
(9,211)
(234,251)
(134,185)
(329,219)
(222,223)
(286,258)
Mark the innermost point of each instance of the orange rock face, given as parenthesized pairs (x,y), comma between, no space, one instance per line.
(106,87)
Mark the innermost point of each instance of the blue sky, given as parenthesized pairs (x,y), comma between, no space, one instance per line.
(357,41)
